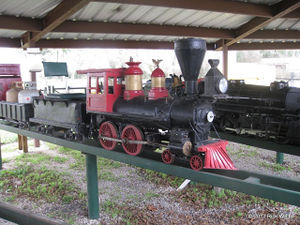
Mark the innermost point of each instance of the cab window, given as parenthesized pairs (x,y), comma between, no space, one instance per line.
(111,85)
(93,85)
(100,85)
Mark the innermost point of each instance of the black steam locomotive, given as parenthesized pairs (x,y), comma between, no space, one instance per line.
(271,112)
(117,112)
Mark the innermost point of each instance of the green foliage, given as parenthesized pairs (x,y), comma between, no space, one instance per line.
(274,166)
(107,175)
(243,153)
(115,210)
(161,178)
(39,158)
(7,137)
(39,183)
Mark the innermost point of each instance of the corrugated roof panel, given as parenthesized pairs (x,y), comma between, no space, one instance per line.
(27,8)
(121,13)
(130,13)
(274,24)
(215,22)
(165,18)
(288,24)
(296,26)
(152,14)
(5,33)
(282,24)
(92,10)
(234,21)
(87,13)
(181,15)
(138,13)
(196,16)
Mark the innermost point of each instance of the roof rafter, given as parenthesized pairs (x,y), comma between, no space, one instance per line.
(20,23)
(143,29)
(54,18)
(57,43)
(282,8)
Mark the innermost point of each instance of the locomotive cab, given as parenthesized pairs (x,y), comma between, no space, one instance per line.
(103,88)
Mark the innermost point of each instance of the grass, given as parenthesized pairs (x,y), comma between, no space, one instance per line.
(274,166)
(9,148)
(80,159)
(7,137)
(39,158)
(115,210)
(242,153)
(41,183)
(202,195)
(161,178)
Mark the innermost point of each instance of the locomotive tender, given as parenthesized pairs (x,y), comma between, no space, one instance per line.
(121,114)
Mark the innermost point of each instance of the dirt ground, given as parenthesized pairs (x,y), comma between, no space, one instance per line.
(51,181)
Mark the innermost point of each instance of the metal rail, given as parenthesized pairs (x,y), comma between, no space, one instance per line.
(19,216)
(271,187)
(256,142)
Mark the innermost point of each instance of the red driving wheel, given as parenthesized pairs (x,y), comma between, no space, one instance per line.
(132,133)
(167,157)
(108,129)
(196,163)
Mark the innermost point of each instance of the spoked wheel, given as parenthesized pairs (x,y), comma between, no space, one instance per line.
(108,129)
(196,162)
(167,157)
(132,133)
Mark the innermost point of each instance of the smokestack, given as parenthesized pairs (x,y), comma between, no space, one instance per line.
(190,54)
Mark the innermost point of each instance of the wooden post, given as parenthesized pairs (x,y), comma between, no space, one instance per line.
(24,144)
(33,78)
(37,143)
(225,59)
(20,142)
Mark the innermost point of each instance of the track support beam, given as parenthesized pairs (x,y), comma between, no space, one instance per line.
(275,188)
(92,186)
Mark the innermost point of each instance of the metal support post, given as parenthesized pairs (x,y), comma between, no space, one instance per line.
(92,186)
(279,157)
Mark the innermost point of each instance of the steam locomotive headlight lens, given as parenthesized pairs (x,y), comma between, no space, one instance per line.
(210,116)
(223,85)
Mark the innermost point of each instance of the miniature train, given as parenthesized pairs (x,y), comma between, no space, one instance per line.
(117,112)
(269,112)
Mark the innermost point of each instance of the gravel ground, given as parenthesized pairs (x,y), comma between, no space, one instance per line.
(128,196)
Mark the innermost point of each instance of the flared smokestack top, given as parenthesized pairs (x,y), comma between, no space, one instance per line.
(190,54)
